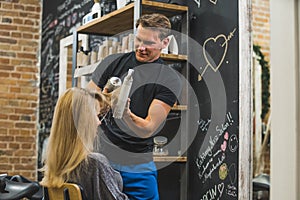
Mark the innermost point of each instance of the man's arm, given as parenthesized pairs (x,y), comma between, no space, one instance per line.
(144,128)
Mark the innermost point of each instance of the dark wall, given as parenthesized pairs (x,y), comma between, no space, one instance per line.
(213,154)
(59,19)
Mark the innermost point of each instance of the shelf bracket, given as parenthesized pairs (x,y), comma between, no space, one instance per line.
(64,45)
(74,57)
(136,13)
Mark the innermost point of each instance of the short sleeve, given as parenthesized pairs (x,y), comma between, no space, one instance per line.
(169,86)
(104,70)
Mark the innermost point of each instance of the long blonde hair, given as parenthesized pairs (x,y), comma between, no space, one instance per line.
(72,136)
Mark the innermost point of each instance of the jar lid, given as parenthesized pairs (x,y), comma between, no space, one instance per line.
(160,140)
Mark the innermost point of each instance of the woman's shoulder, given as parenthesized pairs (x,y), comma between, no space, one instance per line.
(98,159)
(102,166)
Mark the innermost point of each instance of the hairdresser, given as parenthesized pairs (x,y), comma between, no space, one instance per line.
(128,142)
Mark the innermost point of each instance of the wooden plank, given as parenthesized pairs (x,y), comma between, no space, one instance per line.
(122,19)
(245,102)
(258,122)
(82,71)
(111,24)
(170,159)
(174,57)
(165,6)
(179,107)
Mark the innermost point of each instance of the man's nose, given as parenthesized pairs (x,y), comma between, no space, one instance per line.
(141,47)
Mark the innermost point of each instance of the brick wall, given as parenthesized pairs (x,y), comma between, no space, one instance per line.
(261,25)
(261,37)
(19,90)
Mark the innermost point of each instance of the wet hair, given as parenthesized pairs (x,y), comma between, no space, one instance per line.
(155,21)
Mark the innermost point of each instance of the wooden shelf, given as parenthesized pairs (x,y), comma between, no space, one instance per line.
(111,24)
(121,20)
(163,8)
(82,71)
(173,57)
(182,159)
(179,107)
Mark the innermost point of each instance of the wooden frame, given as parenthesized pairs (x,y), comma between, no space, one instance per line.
(245,99)
(65,44)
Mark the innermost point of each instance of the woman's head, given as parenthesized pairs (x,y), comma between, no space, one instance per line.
(73,132)
(75,118)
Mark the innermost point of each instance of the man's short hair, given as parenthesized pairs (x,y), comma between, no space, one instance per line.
(155,21)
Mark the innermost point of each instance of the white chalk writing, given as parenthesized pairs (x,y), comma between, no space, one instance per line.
(203,124)
(231,190)
(214,193)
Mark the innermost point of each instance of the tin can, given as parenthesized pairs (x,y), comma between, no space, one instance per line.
(112,84)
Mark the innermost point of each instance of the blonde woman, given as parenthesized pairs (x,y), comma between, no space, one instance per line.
(70,156)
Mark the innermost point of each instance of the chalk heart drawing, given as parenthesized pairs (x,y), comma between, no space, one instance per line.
(223,146)
(221,188)
(223,47)
(214,1)
(226,135)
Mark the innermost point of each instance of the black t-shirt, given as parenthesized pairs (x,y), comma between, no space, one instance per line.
(150,81)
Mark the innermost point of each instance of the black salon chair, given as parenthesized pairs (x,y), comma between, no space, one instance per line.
(17,187)
(261,182)
(261,187)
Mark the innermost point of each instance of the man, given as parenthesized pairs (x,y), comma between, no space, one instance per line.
(128,142)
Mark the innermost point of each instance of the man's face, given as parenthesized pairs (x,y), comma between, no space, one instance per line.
(148,45)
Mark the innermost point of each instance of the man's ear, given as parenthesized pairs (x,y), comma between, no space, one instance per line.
(165,42)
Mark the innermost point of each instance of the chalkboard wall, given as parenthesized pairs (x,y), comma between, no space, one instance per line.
(214,77)
(213,155)
(60,17)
